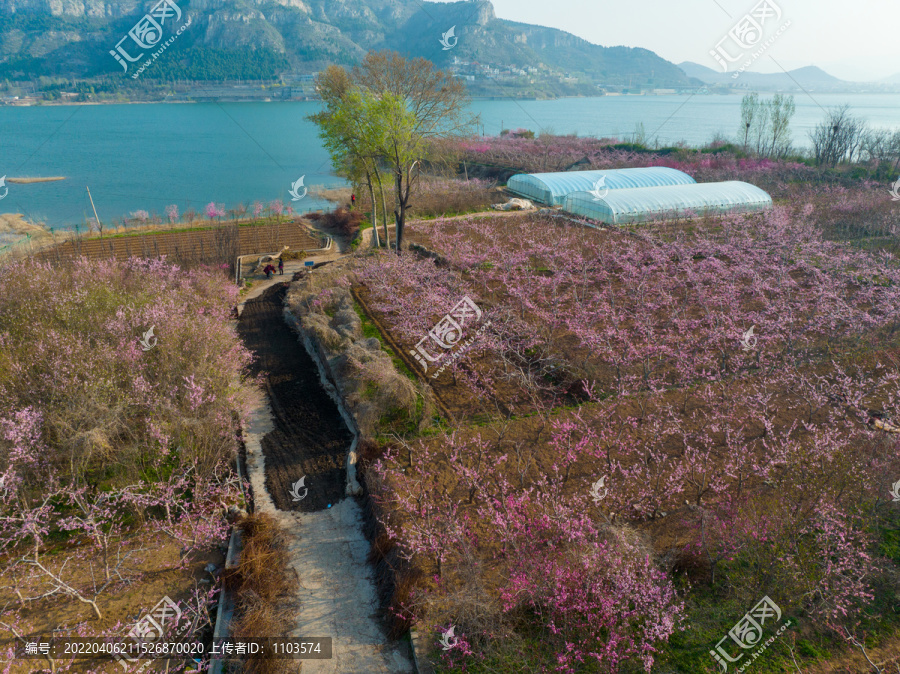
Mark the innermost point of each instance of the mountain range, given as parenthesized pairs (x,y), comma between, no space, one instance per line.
(292,39)
(807,79)
(72,38)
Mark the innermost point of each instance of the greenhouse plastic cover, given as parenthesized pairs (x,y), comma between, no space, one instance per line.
(552,188)
(652,203)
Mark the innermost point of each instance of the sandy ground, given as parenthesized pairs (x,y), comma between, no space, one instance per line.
(29,181)
(14,227)
(15,223)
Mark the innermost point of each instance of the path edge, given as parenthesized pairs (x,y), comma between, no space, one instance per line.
(353,487)
(420,663)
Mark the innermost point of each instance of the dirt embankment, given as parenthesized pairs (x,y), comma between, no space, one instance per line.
(378,396)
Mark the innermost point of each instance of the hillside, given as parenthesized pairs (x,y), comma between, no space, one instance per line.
(265,39)
(810,77)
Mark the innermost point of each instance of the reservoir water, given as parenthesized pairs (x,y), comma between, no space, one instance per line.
(148,156)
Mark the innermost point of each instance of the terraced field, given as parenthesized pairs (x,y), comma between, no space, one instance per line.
(216,245)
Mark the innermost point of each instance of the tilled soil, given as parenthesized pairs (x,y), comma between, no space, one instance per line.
(195,245)
(310,438)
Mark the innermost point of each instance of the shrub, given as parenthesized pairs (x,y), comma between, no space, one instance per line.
(754,466)
(342,221)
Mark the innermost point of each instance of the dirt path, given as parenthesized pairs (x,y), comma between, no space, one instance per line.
(309,438)
(300,433)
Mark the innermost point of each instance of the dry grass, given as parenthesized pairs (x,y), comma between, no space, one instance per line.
(265,592)
(28,181)
(438,203)
(338,195)
(294,255)
(219,245)
(438,197)
(395,578)
(13,225)
(153,570)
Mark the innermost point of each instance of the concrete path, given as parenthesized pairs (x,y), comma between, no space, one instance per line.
(329,555)
(337,594)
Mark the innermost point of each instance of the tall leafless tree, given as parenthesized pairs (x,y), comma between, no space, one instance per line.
(839,137)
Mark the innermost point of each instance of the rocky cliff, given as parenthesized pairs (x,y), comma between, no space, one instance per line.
(73,37)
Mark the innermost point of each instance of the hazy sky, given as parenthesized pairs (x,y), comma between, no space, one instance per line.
(858,40)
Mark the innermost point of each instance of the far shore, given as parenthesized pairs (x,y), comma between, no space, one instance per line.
(225,99)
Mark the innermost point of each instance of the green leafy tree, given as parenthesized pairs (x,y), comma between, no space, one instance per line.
(767,124)
(351,131)
(383,115)
(781,111)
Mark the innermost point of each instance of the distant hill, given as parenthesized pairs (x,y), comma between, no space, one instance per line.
(810,77)
(266,38)
(702,73)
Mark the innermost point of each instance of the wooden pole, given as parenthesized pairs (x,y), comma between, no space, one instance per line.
(99,228)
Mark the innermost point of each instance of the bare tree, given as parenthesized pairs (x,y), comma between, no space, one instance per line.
(857,130)
(781,111)
(749,108)
(882,146)
(227,243)
(838,137)
(760,128)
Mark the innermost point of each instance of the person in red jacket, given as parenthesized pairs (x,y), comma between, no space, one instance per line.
(352,201)
(268,270)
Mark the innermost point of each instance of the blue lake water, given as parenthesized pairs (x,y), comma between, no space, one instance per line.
(147,156)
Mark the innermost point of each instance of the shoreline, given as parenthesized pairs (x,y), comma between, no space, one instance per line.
(499,97)
(17,223)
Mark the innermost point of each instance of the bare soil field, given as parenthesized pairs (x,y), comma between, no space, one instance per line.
(310,438)
(222,242)
(156,571)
